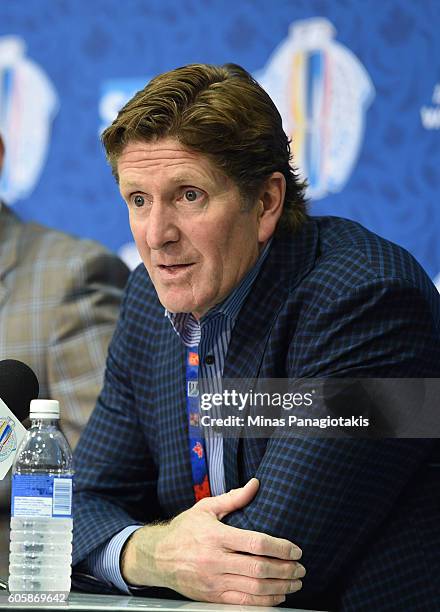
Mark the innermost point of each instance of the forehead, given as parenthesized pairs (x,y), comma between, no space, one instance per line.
(168,156)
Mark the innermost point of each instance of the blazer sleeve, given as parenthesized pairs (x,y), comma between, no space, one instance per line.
(82,325)
(330,495)
(115,475)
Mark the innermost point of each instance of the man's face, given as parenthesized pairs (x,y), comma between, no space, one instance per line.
(2,153)
(188,223)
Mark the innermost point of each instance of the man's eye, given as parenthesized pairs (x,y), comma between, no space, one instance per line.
(138,200)
(192,195)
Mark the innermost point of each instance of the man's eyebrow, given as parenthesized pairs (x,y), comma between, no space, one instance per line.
(129,183)
(126,185)
(185,179)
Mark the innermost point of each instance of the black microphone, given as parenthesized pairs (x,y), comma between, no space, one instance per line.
(18,386)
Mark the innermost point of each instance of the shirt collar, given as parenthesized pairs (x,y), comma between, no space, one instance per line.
(231,305)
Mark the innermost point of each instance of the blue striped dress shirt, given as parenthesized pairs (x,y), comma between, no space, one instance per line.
(212,334)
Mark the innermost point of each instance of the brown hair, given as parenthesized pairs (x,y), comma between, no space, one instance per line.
(223,113)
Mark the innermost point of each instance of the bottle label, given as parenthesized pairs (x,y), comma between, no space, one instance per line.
(37,496)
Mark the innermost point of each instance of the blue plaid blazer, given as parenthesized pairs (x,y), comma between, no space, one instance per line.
(331,300)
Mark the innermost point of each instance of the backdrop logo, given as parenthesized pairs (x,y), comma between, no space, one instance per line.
(28,104)
(322,92)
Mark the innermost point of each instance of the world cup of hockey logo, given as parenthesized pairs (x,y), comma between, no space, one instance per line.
(28,103)
(8,439)
(322,92)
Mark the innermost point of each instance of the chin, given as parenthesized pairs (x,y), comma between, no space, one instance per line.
(175,300)
(176,306)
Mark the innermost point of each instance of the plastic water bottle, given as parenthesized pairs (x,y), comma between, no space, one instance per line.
(40,556)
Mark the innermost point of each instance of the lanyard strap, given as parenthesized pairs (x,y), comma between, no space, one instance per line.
(197,450)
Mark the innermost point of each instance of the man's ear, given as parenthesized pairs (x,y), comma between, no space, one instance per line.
(270,205)
(2,153)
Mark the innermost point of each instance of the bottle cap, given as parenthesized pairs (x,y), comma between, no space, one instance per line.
(44,409)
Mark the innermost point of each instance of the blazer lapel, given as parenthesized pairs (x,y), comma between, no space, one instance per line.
(175,485)
(289,260)
(10,231)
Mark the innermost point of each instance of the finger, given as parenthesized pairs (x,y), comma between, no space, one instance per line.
(255,566)
(221,505)
(256,543)
(245,599)
(255,586)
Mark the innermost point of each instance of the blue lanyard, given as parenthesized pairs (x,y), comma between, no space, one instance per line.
(197,450)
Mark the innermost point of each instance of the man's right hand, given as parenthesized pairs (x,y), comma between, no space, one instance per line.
(198,556)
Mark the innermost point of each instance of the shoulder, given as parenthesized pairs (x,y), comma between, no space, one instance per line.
(347,245)
(351,258)
(364,303)
(80,259)
(47,242)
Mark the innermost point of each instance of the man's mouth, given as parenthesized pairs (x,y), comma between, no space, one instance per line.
(174,269)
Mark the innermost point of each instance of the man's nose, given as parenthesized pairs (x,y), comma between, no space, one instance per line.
(161,226)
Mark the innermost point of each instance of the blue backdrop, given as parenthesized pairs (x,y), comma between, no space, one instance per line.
(357,83)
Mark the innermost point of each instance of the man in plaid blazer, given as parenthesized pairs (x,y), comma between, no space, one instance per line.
(263,291)
(59,301)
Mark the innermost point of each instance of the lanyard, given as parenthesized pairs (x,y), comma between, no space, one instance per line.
(197,450)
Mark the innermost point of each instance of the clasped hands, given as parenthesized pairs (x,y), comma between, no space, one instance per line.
(198,556)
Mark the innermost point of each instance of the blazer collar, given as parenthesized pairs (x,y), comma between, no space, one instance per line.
(290,259)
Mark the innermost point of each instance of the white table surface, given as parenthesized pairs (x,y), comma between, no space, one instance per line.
(86,601)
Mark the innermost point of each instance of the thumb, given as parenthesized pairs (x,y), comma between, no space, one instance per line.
(221,505)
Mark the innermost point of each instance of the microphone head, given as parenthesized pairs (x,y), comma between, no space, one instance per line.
(18,386)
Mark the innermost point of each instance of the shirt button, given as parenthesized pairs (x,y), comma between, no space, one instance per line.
(209,359)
